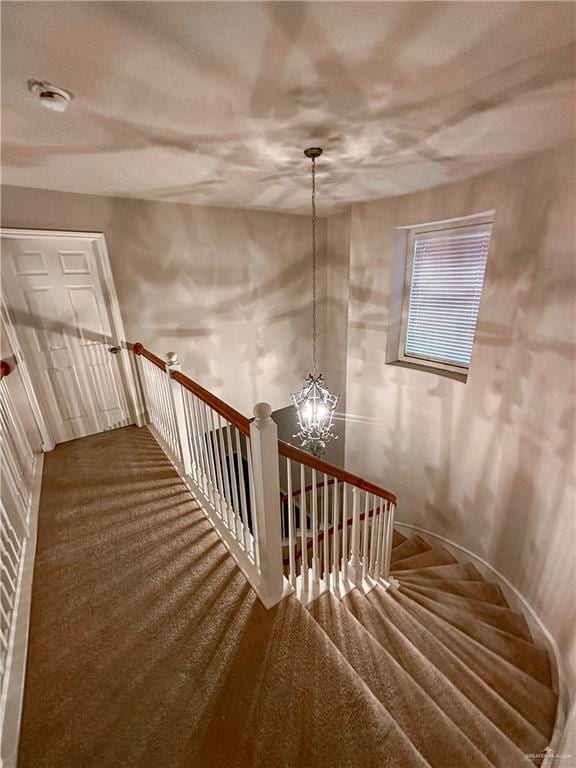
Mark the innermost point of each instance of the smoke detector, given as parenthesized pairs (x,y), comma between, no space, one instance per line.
(50,97)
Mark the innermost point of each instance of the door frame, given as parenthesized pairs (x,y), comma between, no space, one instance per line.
(128,370)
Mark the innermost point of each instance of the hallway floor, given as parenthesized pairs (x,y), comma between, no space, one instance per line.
(148,649)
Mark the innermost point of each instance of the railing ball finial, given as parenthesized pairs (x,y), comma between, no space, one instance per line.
(172,358)
(137,348)
(262,412)
(5,368)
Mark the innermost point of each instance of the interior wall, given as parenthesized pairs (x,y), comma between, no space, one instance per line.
(488,463)
(227,289)
(337,296)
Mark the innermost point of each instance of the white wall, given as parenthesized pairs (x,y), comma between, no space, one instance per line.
(490,463)
(228,290)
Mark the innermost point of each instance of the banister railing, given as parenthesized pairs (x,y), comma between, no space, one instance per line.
(225,410)
(225,459)
(19,473)
(321,534)
(297,454)
(234,466)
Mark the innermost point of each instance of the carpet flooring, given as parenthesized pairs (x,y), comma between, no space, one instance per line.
(148,649)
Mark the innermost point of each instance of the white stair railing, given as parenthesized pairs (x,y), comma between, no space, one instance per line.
(337,529)
(20,468)
(229,464)
(329,531)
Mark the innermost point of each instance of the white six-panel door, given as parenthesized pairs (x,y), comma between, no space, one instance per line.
(55,293)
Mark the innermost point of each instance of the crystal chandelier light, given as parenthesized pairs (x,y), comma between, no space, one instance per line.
(314,404)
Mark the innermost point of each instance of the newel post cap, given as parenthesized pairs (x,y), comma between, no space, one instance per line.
(172,358)
(262,412)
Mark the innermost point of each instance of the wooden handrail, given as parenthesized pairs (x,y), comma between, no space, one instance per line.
(243,424)
(230,414)
(139,349)
(291,452)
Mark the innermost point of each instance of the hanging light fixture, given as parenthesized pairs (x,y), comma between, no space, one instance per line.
(315,404)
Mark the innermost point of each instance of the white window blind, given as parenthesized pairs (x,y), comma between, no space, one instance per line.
(445,289)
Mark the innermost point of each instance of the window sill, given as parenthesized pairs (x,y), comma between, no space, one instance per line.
(421,366)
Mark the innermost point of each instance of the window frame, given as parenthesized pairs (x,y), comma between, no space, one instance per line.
(477,222)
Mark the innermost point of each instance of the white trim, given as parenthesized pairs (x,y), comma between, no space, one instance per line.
(455,221)
(538,629)
(473,224)
(135,401)
(13,693)
(133,395)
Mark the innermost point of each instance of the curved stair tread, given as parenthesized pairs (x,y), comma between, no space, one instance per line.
(489,737)
(535,701)
(428,559)
(523,708)
(412,546)
(432,732)
(523,654)
(458,571)
(501,617)
(397,538)
(480,591)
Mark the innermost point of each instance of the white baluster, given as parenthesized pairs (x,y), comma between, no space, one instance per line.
(366,533)
(201,447)
(388,545)
(336,533)
(380,537)
(215,450)
(242,484)
(344,530)
(254,516)
(210,457)
(303,530)
(179,416)
(315,557)
(225,473)
(291,538)
(233,483)
(193,434)
(264,440)
(355,568)
(326,522)
(373,539)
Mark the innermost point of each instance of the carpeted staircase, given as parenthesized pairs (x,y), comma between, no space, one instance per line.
(148,649)
(448,659)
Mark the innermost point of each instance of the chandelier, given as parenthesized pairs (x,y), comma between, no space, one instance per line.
(314,404)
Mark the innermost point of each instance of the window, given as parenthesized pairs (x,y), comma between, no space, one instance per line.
(444,279)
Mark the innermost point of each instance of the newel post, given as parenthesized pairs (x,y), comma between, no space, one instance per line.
(177,401)
(264,444)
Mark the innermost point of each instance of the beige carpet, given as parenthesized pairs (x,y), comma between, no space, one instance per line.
(149,650)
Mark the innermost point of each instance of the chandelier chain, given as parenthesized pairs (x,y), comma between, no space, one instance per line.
(314,265)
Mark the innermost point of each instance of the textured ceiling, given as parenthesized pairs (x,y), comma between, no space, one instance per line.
(212,103)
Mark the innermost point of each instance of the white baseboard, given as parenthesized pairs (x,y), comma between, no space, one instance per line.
(540,633)
(18,651)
